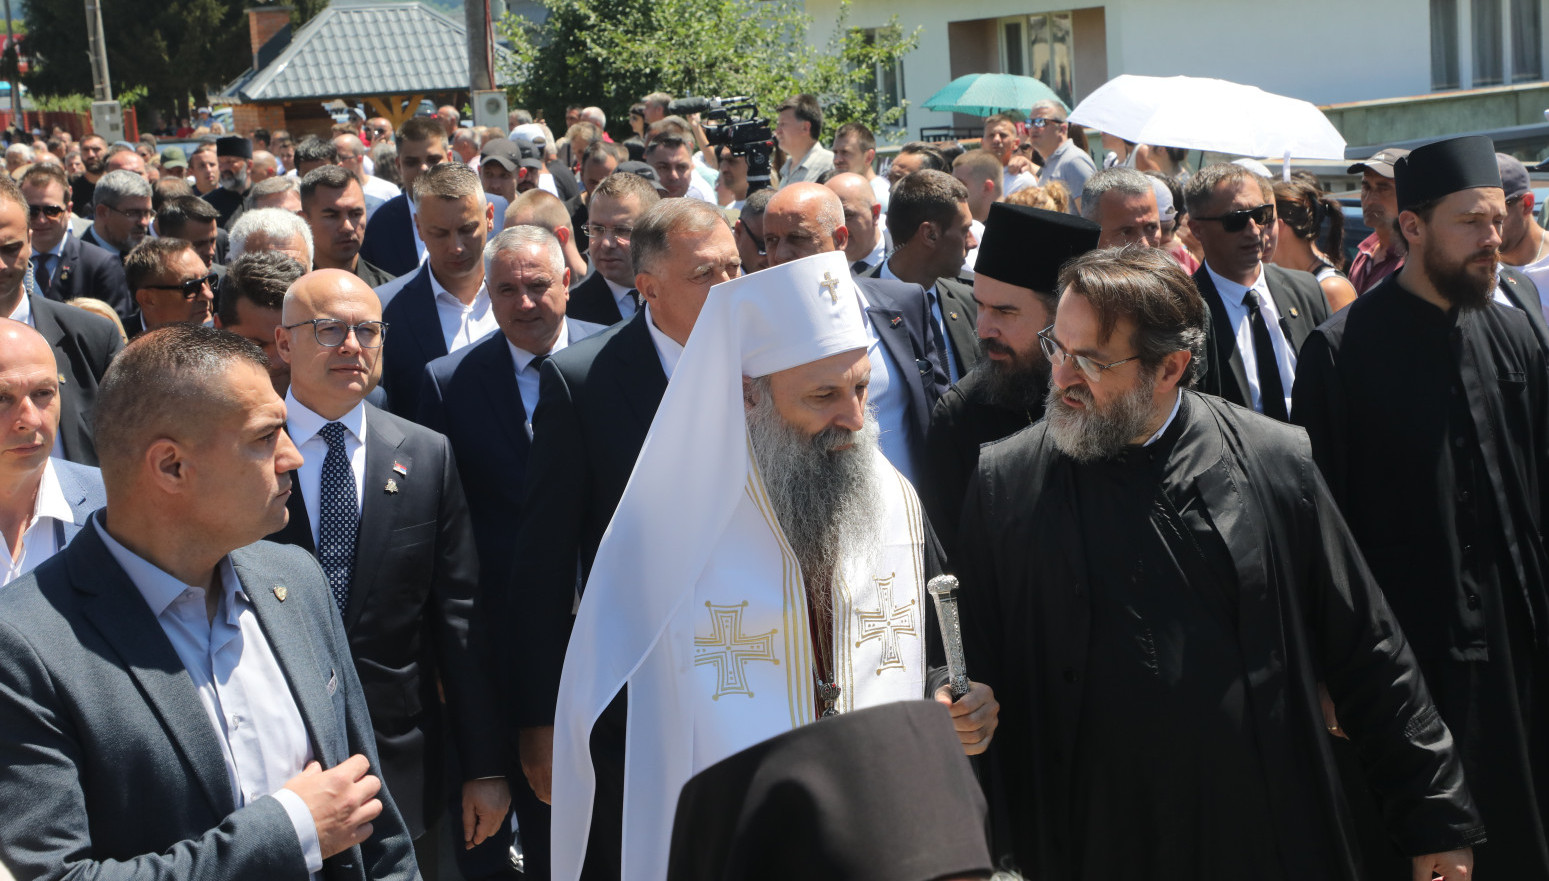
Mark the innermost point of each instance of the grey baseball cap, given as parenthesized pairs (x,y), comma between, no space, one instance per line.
(1381,162)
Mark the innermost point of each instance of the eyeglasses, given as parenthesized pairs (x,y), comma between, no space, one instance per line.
(619,234)
(1056,354)
(138,215)
(1237,221)
(331,332)
(49,211)
(1044,122)
(189,286)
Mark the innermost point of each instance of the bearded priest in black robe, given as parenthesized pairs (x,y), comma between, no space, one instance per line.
(1427,402)
(1155,583)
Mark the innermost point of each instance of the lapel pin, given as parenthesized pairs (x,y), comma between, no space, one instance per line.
(61,379)
(1294,313)
(392,485)
(954,315)
(895,322)
(280,592)
(398,467)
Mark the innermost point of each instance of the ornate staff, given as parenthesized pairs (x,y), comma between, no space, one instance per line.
(943,590)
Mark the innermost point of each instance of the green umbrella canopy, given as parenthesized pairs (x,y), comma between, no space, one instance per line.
(986,94)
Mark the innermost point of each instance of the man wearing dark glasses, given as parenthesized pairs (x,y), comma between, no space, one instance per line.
(63,266)
(171,285)
(1063,161)
(1260,313)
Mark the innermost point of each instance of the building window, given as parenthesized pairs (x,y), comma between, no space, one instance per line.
(889,81)
(1489,54)
(1501,43)
(1444,45)
(1527,43)
(1040,46)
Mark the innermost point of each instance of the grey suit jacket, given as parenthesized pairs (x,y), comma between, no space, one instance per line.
(82,486)
(108,765)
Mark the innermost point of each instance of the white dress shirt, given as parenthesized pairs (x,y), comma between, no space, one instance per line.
(882,190)
(621,296)
(879,250)
(41,538)
(462,324)
(527,371)
(1232,295)
(887,394)
(304,426)
(667,349)
(240,683)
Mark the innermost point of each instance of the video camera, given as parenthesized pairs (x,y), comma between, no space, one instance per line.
(734,123)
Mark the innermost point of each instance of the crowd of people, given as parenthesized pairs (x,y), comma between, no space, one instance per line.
(454,501)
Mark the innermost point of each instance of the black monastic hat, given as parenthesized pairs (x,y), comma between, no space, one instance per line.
(1442,168)
(881,794)
(234,145)
(1027,246)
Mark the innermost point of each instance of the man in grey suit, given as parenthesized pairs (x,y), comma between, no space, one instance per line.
(1259,313)
(177,698)
(44,501)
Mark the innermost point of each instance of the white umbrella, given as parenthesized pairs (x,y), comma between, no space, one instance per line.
(1196,113)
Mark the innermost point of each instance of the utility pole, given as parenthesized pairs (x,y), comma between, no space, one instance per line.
(481,55)
(102,87)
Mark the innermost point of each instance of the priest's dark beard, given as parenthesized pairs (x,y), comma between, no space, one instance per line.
(829,504)
(1457,283)
(1018,382)
(1096,433)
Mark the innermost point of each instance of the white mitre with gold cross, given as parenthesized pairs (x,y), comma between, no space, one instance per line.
(696,601)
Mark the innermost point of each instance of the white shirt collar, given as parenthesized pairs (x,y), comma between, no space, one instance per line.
(522,357)
(51,500)
(667,349)
(1234,293)
(447,296)
(1177,403)
(23,311)
(303,423)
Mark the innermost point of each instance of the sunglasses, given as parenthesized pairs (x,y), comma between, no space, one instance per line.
(189,286)
(49,211)
(1237,221)
(1042,123)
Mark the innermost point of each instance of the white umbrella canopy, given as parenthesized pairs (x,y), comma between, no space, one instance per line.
(1196,113)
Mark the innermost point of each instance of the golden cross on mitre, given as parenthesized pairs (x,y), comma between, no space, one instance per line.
(831,286)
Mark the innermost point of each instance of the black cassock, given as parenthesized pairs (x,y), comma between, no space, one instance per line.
(964,419)
(1155,628)
(1432,429)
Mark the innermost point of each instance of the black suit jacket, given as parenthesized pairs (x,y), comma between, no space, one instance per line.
(86,270)
(411,599)
(592,300)
(90,237)
(1523,294)
(901,316)
(84,344)
(414,339)
(389,241)
(1301,305)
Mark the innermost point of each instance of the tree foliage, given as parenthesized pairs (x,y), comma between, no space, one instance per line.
(612,52)
(172,49)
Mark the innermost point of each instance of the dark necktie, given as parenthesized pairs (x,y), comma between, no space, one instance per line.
(338,515)
(1271,390)
(943,351)
(860,267)
(634,297)
(43,271)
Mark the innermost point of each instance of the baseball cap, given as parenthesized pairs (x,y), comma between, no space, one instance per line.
(1381,162)
(643,170)
(530,134)
(1514,179)
(174,157)
(503,152)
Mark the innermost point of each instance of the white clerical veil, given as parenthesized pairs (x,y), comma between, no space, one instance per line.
(688,500)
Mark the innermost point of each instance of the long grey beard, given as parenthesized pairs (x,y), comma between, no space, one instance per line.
(235,182)
(1092,434)
(828,503)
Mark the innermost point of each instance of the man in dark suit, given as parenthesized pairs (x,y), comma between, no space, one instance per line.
(123,213)
(608,295)
(391,240)
(176,697)
(595,405)
(170,285)
(931,225)
(1259,313)
(482,398)
(907,375)
(83,343)
(66,267)
(378,499)
(444,305)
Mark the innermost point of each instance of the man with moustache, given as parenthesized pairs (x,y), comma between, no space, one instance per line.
(788,586)
(122,213)
(1016,289)
(1427,404)
(1157,582)
(94,148)
(1380,254)
(234,155)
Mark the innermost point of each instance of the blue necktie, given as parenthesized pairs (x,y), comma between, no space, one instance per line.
(338,515)
(45,269)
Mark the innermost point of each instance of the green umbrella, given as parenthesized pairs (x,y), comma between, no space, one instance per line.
(986,94)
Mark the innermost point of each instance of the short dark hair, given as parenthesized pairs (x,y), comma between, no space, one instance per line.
(597,150)
(420,128)
(1200,189)
(165,379)
(176,213)
(150,257)
(806,109)
(862,134)
(314,149)
(626,183)
(934,159)
(261,278)
(669,140)
(168,188)
(334,177)
(43,173)
(1149,286)
(924,196)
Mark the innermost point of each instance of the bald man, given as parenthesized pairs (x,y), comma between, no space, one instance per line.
(907,376)
(542,208)
(378,500)
(867,244)
(44,501)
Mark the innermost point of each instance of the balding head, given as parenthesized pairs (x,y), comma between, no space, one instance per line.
(803,219)
(861,213)
(331,379)
(29,410)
